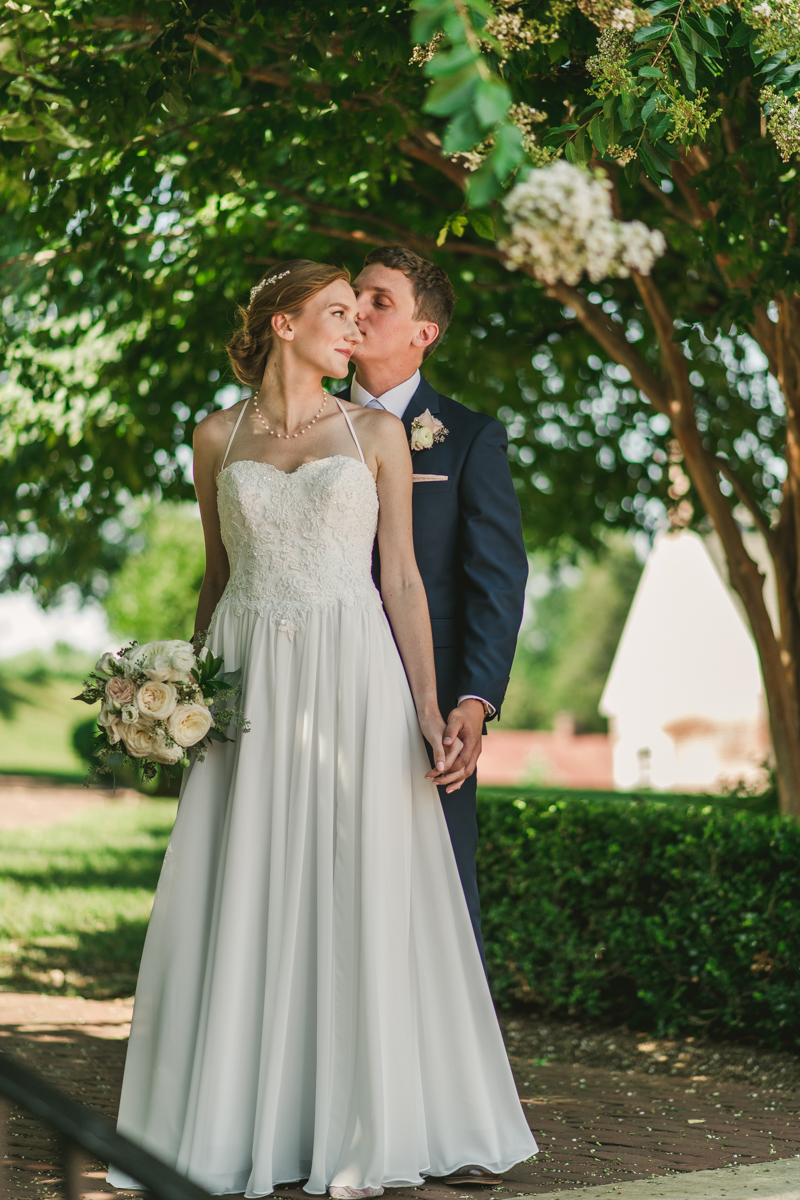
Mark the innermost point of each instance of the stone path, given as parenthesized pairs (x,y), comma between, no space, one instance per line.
(26,802)
(606,1123)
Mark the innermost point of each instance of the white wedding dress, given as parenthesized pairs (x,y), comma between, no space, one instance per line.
(311,1002)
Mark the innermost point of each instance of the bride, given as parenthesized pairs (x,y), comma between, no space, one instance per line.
(311,1001)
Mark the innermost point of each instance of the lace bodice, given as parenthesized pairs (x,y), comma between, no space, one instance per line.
(298,541)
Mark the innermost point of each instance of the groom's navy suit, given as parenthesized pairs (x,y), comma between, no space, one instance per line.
(471,555)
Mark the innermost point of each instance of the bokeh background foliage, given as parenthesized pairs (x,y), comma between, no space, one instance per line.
(199,146)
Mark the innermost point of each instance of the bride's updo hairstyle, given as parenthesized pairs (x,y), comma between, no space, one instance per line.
(285,288)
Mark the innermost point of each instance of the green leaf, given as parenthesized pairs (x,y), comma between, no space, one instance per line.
(632,171)
(651,72)
(429,19)
(491,103)
(659,125)
(483,186)
(462,133)
(653,164)
(175,105)
(17,127)
(667,150)
(715,23)
(628,105)
(449,95)
(652,31)
(650,106)
(483,225)
(579,150)
(742,35)
(507,154)
(598,131)
(687,59)
(442,65)
(661,6)
(702,41)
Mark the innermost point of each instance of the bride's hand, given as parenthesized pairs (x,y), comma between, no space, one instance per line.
(433,728)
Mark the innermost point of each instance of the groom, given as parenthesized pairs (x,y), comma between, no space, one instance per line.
(467,527)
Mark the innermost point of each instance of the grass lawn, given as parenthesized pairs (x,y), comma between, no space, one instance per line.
(75,899)
(38,714)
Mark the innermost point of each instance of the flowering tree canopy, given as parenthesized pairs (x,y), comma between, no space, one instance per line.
(634,163)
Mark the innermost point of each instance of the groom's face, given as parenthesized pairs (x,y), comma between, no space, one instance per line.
(385,316)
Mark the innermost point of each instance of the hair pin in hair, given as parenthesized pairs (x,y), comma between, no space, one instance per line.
(265,283)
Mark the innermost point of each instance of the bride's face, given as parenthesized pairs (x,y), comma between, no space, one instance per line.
(323,334)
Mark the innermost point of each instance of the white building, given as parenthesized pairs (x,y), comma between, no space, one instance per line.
(684,697)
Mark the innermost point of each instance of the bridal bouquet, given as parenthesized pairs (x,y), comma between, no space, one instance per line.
(157,703)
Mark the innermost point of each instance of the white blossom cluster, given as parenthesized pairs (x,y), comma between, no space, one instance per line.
(562,226)
(623,20)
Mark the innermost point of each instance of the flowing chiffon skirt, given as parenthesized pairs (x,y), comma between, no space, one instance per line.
(311,1002)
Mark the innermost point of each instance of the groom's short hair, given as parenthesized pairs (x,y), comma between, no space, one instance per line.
(434,298)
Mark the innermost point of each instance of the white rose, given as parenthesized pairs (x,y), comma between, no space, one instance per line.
(129,714)
(164,753)
(189,723)
(182,657)
(421,438)
(110,721)
(156,699)
(104,665)
(141,741)
(146,741)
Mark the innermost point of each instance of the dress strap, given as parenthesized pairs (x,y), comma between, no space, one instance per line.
(233,435)
(343,411)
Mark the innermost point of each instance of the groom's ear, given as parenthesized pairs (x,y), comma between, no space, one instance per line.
(426,335)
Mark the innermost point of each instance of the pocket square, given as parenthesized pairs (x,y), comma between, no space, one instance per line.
(430,478)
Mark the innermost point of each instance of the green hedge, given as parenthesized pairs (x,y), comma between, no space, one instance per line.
(671,918)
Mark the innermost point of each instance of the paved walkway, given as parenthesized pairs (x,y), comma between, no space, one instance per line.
(676,1109)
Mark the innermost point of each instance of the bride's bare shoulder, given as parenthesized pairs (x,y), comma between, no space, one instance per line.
(378,429)
(215,429)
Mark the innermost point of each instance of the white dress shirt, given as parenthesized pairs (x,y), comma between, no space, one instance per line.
(396,401)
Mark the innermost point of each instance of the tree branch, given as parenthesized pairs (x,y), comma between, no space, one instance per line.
(668,203)
(724,467)
(367,239)
(595,321)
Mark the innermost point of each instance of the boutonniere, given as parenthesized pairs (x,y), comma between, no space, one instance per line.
(425,430)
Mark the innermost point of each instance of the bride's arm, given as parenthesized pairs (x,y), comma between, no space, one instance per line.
(207,441)
(401,584)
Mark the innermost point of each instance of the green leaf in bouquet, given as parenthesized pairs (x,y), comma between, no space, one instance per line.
(234,678)
(116,759)
(215,736)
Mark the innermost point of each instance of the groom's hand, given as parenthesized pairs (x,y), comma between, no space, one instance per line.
(465,722)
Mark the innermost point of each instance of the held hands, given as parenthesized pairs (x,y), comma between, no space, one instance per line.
(433,730)
(464,729)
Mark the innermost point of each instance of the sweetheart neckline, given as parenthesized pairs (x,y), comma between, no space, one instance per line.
(288,474)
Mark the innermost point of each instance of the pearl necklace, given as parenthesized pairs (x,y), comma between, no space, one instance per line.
(272,432)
